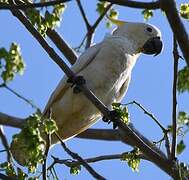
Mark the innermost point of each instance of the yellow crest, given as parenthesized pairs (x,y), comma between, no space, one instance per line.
(115,21)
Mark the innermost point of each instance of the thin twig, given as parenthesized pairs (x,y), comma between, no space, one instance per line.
(94,26)
(83,162)
(148,113)
(31,5)
(22,97)
(136,4)
(177,26)
(88,26)
(91,30)
(48,143)
(5,143)
(174,110)
(70,163)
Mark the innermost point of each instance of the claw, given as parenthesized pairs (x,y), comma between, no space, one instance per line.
(113,115)
(76,81)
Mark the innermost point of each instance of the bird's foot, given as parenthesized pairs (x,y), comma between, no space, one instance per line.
(112,115)
(76,82)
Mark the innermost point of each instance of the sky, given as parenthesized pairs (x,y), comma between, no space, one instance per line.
(151,85)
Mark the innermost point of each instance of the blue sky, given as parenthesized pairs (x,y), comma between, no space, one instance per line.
(151,85)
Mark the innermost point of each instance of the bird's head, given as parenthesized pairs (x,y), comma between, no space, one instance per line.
(145,37)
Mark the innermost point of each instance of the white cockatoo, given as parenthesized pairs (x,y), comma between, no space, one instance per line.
(107,68)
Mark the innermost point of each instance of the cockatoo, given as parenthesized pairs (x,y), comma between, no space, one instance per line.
(107,68)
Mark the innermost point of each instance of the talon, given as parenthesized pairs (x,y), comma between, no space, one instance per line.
(114,114)
(115,125)
(105,119)
(76,81)
(76,90)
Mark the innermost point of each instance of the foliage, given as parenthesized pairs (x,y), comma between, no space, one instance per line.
(180,147)
(50,19)
(75,169)
(8,168)
(147,13)
(183,80)
(132,158)
(122,112)
(30,140)
(113,13)
(11,62)
(184,10)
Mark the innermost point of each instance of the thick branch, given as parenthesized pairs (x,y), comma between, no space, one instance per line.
(100,134)
(31,5)
(62,45)
(136,4)
(174,110)
(169,6)
(12,121)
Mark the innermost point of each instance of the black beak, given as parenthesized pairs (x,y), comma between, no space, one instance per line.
(153,46)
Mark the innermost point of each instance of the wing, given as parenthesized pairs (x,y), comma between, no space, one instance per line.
(83,61)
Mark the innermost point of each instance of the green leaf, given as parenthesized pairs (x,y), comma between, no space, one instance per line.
(101,6)
(21,174)
(183,80)
(13,62)
(75,170)
(132,158)
(30,142)
(8,168)
(122,112)
(183,118)
(184,10)
(180,147)
(50,126)
(147,14)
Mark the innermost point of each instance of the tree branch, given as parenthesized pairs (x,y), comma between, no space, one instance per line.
(12,121)
(101,16)
(44,167)
(169,6)
(100,134)
(62,45)
(5,143)
(83,14)
(88,160)
(136,4)
(31,5)
(81,160)
(174,111)
(21,97)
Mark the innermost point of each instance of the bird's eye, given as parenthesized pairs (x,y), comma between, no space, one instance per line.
(149,29)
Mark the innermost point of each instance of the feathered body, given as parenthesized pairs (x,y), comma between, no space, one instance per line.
(107,69)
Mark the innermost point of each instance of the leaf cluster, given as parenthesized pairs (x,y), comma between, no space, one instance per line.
(50,19)
(183,80)
(31,142)
(184,10)
(132,158)
(122,112)
(11,62)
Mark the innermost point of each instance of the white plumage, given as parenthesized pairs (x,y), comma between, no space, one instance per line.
(107,69)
